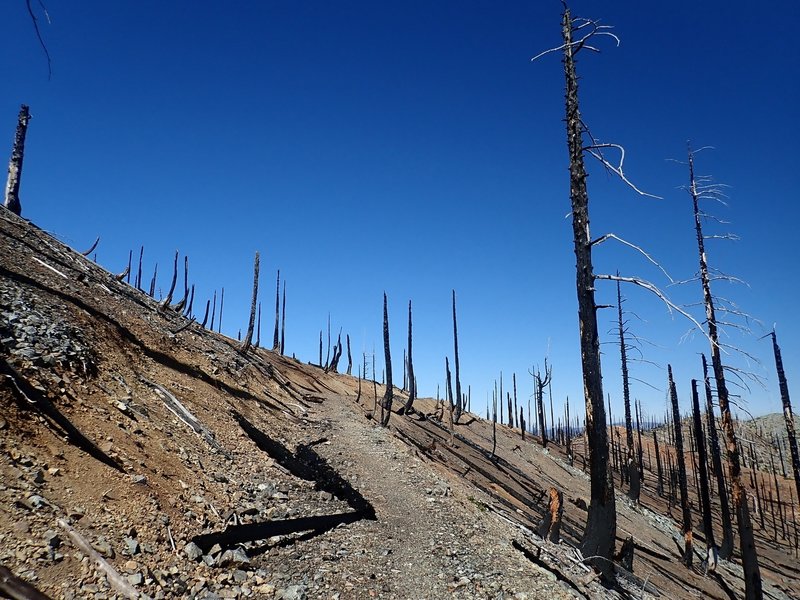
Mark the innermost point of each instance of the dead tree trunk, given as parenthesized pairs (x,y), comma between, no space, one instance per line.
(787,411)
(165,302)
(283,319)
(459,407)
(251,324)
(752,575)
(221,303)
(213,311)
(276,341)
(138,280)
(11,201)
(541,383)
(601,522)
(660,485)
(349,356)
(389,393)
(686,514)
(412,382)
(712,552)
(726,547)
(258,327)
(632,465)
(152,290)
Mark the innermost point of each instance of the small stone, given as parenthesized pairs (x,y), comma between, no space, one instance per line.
(36,501)
(192,551)
(21,527)
(53,471)
(135,579)
(103,547)
(52,539)
(293,592)
(237,556)
(131,546)
(140,479)
(131,566)
(239,576)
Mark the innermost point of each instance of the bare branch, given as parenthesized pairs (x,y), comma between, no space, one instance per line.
(39,36)
(595,150)
(612,236)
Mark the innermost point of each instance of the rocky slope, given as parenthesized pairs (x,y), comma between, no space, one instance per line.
(196,471)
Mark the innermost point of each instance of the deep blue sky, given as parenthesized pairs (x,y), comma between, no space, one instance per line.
(414,148)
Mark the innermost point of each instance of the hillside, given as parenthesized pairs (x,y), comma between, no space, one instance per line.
(147,435)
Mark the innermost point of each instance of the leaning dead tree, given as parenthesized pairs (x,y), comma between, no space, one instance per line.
(752,577)
(253,305)
(11,201)
(412,382)
(386,403)
(787,411)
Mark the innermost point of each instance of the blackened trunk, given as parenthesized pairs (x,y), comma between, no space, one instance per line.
(412,382)
(283,319)
(11,201)
(705,494)
(253,305)
(389,393)
(276,341)
(349,357)
(601,522)
(457,415)
(686,514)
(787,411)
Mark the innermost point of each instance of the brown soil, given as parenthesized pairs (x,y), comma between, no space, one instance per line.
(277,440)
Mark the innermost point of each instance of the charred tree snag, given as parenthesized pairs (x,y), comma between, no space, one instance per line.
(276,342)
(412,381)
(93,246)
(258,327)
(11,201)
(388,395)
(152,291)
(213,310)
(601,523)
(787,411)
(686,514)
(349,357)
(138,281)
(712,552)
(752,575)
(221,303)
(178,307)
(205,318)
(633,469)
(540,383)
(283,318)
(457,416)
(660,485)
(253,304)
(165,302)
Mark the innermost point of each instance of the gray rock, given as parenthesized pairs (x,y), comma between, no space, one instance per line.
(135,579)
(293,592)
(131,546)
(237,556)
(52,539)
(140,479)
(192,551)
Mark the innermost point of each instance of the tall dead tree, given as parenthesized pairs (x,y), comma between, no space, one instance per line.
(412,382)
(276,341)
(458,399)
(787,411)
(283,319)
(11,201)
(349,356)
(632,466)
(253,305)
(752,575)
(386,403)
(601,524)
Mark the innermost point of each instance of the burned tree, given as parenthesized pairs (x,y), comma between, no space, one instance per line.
(276,342)
(540,382)
(458,399)
(712,552)
(686,514)
(283,319)
(632,467)
(412,382)
(386,403)
(11,201)
(249,335)
(752,577)
(787,411)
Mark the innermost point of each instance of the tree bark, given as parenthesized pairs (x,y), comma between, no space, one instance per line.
(389,393)
(632,465)
(11,201)
(752,575)
(601,523)
(684,489)
(253,305)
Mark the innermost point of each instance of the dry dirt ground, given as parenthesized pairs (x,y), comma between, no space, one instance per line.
(148,435)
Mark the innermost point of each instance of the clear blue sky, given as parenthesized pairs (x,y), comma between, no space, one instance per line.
(414,148)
